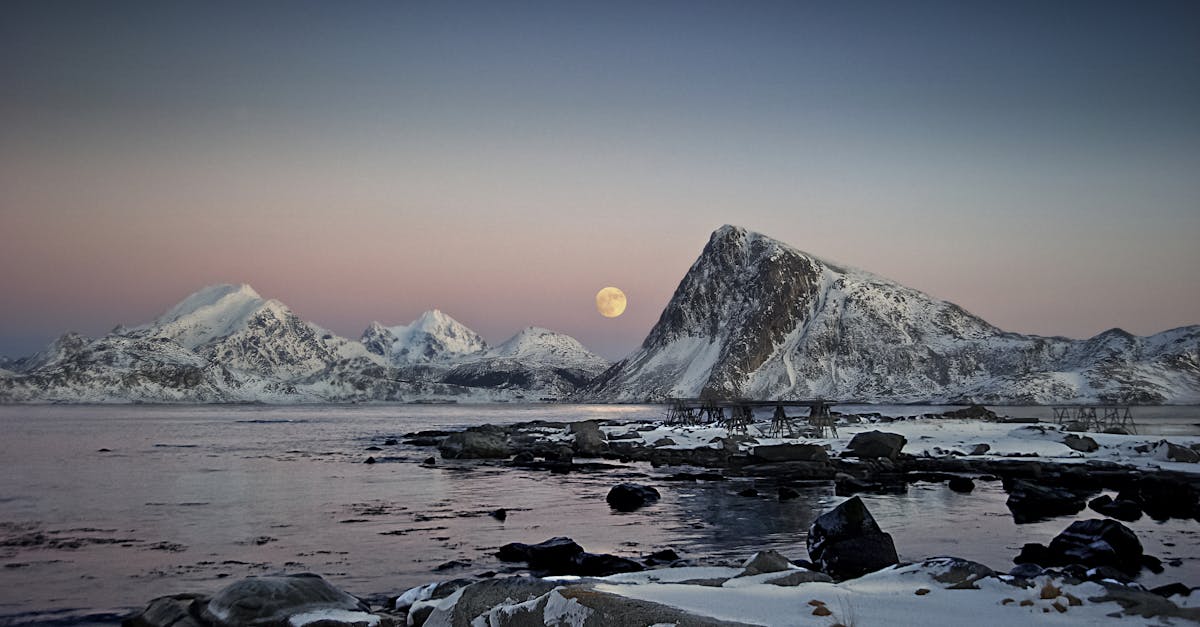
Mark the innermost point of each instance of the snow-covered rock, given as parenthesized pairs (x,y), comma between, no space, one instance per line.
(431,338)
(757,318)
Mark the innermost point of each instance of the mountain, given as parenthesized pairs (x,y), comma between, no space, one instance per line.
(225,343)
(756,318)
(432,338)
(534,358)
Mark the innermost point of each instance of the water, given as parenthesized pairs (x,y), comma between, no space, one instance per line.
(190,498)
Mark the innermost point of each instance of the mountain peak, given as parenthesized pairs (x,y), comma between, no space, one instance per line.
(433,336)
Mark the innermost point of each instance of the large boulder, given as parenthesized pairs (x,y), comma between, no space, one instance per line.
(179,610)
(589,439)
(1097,542)
(626,497)
(790,453)
(846,542)
(276,601)
(875,444)
(476,443)
(1030,502)
(976,412)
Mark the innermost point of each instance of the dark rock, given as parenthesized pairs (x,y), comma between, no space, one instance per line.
(1152,564)
(1083,444)
(271,600)
(452,564)
(787,494)
(665,556)
(956,572)
(626,497)
(499,514)
(1029,502)
(553,554)
(980,449)
(369,460)
(1163,498)
(664,442)
(1120,509)
(1097,542)
(524,457)
(390,442)
(748,492)
(1171,590)
(978,412)
(875,444)
(373,448)
(476,443)
(846,542)
(430,461)
(1034,553)
(603,565)
(796,577)
(180,610)
(961,484)
(790,453)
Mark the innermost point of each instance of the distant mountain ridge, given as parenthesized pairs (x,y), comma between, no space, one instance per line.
(756,318)
(225,343)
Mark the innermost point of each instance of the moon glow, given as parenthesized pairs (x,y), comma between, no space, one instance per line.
(610,302)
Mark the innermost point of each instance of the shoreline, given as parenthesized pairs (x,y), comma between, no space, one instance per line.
(1072,476)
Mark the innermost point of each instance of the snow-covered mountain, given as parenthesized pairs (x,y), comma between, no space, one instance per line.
(225,343)
(434,337)
(756,318)
(533,358)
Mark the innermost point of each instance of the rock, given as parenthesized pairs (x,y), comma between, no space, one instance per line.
(1097,542)
(980,449)
(956,572)
(390,442)
(977,412)
(748,492)
(499,514)
(1169,451)
(373,448)
(1152,564)
(1081,443)
(961,484)
(665,556)
(795,577)
(1034,553)
(628,435)
(1163,498)
(664,442)
(589,439)
(602,565)
(1171,590)
(369,460)
(626,497)
(787,494)
(274,600)
(524,457)
(480,597)
(180,610)
(1027,570)
(764,562)
(476,443)
(1120,509)
(846,542)
(430,461)
(1029,502)
(790,453)
(563,556)
(551,554)
(875,444)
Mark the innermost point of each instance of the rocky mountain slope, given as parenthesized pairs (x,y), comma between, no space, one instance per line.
(225,343)
(756,318)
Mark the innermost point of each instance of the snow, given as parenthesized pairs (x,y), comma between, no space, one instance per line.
(434,336)
(888,597)
(343,616)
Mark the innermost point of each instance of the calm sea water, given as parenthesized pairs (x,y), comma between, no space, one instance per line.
(189,498)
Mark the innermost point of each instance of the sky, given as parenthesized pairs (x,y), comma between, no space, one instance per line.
(1037,163)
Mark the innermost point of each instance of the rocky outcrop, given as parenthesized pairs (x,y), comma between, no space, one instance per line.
(486,442)
(874,445)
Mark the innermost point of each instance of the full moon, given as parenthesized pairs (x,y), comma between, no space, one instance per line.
(610,302)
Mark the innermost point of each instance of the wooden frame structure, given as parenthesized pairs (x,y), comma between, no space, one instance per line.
(694,412)
(1111,417)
